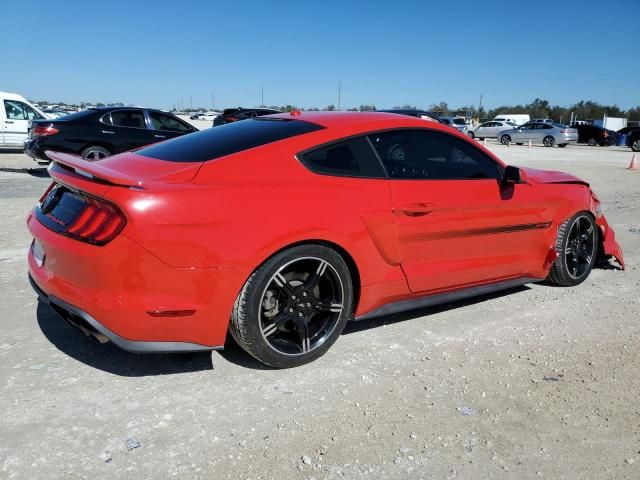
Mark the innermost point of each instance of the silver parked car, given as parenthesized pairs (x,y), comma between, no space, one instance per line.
(548,134)
(457,123)
(490,129)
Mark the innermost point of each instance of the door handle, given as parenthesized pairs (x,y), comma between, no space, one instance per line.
(108,132)
(8,121)
(417,209)
(160,136)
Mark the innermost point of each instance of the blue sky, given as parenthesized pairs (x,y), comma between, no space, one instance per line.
(387,53)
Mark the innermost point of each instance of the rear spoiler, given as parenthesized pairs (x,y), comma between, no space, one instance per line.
(92,170)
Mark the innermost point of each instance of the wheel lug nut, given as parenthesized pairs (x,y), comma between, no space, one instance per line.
(291,310)
(304,294)
(299,314)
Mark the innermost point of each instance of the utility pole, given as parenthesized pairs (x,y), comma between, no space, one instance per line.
(339,93)
(479,107)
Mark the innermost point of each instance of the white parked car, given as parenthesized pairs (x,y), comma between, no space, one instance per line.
(208,116)
(490,129)
(16,114)
(517,118)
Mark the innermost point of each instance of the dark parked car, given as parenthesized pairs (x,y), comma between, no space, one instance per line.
(100,132)
(633,140)
(627,130)
(230,115)
(593,135)
(415,113)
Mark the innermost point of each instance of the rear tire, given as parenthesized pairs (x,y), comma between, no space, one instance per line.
(471,135)
(577,247)
(635,145)
(592,142)
(95,153)
(562,145)
(294,306)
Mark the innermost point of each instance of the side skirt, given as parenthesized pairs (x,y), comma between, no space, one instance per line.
(440,298)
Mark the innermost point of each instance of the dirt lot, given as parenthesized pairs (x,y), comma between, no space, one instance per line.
(537,382)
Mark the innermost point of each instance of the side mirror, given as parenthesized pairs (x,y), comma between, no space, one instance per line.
(511,175)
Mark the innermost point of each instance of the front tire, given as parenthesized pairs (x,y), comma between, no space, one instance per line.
(294,306)
(505,139)
(635,145)
(471,135)
(548,141)
(592,142)
(577,247)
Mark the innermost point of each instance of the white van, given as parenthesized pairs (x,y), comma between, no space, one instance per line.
(517,118)
(16,114)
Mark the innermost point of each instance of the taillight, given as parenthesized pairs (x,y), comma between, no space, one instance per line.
(606,134)
(232,119)
(42,131)
(565,130)
(99,222)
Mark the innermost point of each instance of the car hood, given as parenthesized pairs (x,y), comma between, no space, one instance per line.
(551,176)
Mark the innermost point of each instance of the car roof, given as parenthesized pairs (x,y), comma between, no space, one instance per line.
(111,108)
(357,122)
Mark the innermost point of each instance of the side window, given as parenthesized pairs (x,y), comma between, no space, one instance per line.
(31,113)
(351,158)
(106,119)
(160,121)
(14,110)
(128,118)
(431,155)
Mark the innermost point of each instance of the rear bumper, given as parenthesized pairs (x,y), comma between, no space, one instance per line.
(129,296)
(90,326)
(35,150)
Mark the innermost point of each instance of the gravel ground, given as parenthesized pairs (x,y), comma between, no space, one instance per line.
(536,382)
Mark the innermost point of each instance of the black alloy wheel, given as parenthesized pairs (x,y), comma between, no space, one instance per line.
(294,307)
(577,247)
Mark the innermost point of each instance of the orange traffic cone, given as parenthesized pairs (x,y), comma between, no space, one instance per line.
(529,143)
(634,164)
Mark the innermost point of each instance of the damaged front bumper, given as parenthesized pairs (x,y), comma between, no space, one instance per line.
(610,248)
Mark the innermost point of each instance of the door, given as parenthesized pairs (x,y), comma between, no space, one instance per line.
(166,126)
(526,132)
(484,130)
(126,129)
(457,224)
(18,116)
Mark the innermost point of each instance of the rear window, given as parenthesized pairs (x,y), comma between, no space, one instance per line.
(227,139)
(351,158)
(459,121)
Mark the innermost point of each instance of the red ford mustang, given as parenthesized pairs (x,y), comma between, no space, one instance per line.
(280,229)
